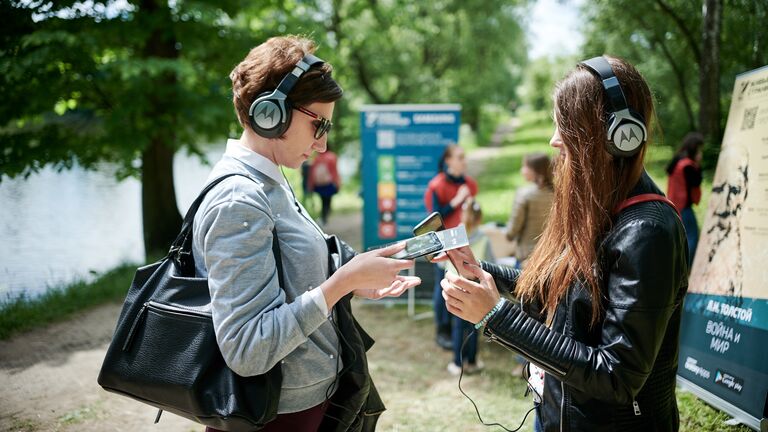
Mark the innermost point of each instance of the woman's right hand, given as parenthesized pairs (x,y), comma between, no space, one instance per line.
(366,272)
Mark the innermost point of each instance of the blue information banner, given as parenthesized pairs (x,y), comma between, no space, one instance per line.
(401,146)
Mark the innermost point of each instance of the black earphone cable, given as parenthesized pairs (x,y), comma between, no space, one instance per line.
(342,339)
(341,336)
(477,410)
(333,384)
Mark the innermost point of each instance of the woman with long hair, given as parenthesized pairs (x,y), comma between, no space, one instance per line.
(601,296)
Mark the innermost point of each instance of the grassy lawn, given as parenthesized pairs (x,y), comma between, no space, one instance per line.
(501,174)
(23,313)
(409,372)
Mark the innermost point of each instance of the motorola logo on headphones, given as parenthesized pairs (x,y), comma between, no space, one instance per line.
(266,114)
(628,137)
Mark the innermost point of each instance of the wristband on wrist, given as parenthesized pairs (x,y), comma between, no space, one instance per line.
(488,316)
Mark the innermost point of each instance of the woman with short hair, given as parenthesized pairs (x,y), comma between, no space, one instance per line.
(274,302)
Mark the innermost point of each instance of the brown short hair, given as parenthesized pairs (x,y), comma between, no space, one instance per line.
(265,65)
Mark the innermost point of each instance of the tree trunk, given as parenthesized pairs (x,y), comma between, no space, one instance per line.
(158,199)
(709,74)
(158,196)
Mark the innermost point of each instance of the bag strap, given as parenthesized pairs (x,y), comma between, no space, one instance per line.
(181,249)
(637,199)
(189,218)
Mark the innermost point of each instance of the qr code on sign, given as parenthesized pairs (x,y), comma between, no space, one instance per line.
(749,118)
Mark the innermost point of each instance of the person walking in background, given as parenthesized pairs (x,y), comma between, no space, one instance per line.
(324,180)
(531,207)
(684,186)
(306,192)
(471,218)
(445,194)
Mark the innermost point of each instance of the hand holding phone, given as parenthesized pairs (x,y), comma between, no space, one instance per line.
(419,246)
(458,258)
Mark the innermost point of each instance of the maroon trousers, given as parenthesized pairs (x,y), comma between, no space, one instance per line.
(303,421)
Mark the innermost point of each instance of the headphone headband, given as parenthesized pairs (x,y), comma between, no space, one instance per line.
(616,99)
(626,128)
(270,112)
(290,79)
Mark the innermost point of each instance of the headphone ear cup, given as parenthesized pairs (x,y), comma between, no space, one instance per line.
(266,115)
(288,116)
(626,138)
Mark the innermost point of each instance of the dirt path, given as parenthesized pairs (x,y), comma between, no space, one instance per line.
(48,375)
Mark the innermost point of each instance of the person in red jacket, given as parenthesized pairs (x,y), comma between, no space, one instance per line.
(445,194)
(684,186)
(324,180)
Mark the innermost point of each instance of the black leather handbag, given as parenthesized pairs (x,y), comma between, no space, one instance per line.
(164,351)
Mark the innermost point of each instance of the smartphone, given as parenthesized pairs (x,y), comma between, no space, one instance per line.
(420,246)
(431,223)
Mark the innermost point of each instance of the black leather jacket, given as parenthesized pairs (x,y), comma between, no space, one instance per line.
(356,405)
(618,375)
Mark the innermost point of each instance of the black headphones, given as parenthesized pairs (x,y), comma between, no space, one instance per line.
(626,127)
(270,113)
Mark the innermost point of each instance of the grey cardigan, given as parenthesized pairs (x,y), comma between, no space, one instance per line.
(257,322)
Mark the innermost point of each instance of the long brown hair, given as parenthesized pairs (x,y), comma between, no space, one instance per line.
(589,183)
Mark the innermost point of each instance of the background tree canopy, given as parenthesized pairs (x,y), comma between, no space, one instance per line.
(132,82)
(689,51)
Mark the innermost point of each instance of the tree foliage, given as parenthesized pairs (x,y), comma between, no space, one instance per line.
(86,86)
(675,44)
(132,82)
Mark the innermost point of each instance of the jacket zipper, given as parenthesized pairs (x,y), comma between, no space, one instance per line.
(161,307)
(176,309)
(562,384)
(636,406)
(562,404)
(508,345)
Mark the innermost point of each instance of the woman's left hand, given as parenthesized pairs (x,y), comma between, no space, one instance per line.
(469,300)
(400,285)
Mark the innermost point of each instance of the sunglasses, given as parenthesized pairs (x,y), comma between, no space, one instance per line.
(322,124)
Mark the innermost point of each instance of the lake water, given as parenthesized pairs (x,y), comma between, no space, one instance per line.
(59,227)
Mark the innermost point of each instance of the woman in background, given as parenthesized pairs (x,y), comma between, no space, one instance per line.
(532,205)
(684,186)
(445,194)
(324,180)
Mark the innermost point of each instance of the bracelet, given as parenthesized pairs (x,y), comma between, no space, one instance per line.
(488,316)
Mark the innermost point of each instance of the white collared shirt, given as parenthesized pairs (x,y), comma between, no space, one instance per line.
(254,160)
